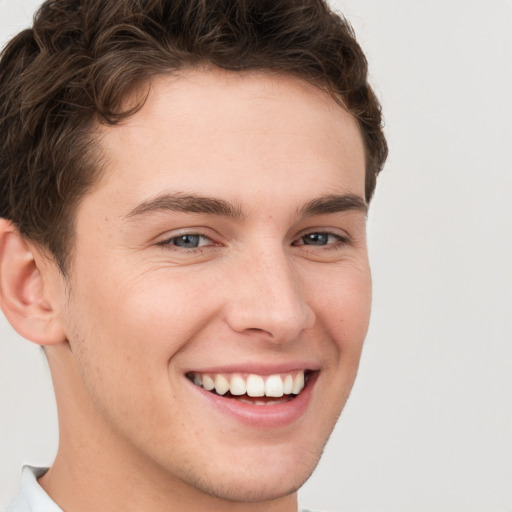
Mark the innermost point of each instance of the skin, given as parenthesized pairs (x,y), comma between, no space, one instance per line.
(137,311)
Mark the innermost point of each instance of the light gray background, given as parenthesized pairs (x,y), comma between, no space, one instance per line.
(429,423)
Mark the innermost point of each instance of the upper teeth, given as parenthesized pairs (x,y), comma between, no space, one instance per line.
(253,385)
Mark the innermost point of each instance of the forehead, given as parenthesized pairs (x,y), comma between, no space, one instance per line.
(213,132)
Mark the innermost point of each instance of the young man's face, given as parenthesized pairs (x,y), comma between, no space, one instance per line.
(225,242)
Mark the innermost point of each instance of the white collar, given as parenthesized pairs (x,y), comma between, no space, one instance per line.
(31,497)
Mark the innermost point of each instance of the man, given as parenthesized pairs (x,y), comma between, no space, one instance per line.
(184,194)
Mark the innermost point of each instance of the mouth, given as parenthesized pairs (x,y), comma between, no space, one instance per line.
(253,389)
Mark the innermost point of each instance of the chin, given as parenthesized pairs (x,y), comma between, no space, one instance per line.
(258,481)
(244,488)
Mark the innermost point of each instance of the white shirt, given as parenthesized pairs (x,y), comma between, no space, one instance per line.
(32,497)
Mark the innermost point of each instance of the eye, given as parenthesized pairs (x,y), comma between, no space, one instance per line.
(187,241)
(319,239)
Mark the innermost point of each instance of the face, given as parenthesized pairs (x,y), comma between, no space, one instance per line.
(220,288)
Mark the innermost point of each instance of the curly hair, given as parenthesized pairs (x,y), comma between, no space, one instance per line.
(82,59)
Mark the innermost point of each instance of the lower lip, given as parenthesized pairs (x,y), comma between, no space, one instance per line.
(269,416)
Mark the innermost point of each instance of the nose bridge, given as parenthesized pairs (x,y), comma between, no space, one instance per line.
(270,297)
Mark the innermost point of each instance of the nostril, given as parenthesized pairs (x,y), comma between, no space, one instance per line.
(255,329)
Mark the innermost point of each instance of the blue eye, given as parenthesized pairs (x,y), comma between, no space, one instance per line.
(319,239)
(187,241)
(315,239)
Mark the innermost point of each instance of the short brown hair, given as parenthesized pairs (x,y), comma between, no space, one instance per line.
(82,58)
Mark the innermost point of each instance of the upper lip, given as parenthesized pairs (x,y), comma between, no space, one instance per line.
(257,368)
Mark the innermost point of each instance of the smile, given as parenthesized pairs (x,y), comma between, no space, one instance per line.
(270,389)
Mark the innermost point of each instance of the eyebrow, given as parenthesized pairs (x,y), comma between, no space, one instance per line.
(186,204)
(334,204)
(213,206)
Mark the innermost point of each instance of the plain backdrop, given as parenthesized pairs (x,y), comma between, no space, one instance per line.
(429,424)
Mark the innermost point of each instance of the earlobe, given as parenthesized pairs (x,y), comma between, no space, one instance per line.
(22,293)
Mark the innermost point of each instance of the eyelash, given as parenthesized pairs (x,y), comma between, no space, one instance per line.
(339,241)
(170,242)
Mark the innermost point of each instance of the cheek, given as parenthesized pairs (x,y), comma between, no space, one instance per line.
(123,335)
(343,305)
(139,323)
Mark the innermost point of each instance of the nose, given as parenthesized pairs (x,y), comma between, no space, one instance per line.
(268,298)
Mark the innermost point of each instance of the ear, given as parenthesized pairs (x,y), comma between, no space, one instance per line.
(30,310)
